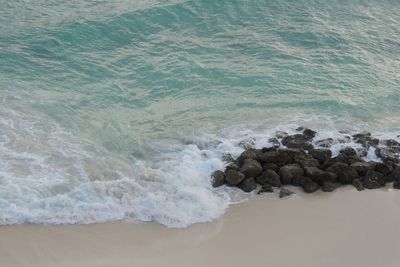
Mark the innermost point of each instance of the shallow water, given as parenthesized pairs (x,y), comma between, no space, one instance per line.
(121,109)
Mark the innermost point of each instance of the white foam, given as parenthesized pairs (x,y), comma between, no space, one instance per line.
(48,175)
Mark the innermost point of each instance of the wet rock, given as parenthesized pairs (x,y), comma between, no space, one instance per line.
(299,181)
(325,143)
(218,178)
(350,155)
(275,142)
(319,176)
(297,141)
(328,187)
(251,168)
(233,177)
(287,156)
(373,180)
(228,157)
(362,135)
(248,143)
(285,192)
(248,184)
(322,155)
(386,154)
(280,134)
(384,168)
(268,149)
(266,188)
(358,185)
(310,187)
(396,184)
(270,166)
(391,143)
(269,157)
(247,154)
(309,134)
(269,177)
(344,172)
(306,160)
(363,167)
(394,175)
(290,171)
(232,166)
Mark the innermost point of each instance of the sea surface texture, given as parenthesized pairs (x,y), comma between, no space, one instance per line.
(121,110)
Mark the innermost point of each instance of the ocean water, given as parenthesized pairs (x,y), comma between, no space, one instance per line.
(121,110)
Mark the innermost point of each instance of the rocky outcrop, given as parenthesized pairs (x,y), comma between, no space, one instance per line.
(295,160)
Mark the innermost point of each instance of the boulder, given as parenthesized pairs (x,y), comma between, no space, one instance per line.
(322,155)
(306,160)
(363,167)
(266,188)
(345,173)
(309,134)
(325,143)
(251,168)
(285,192)
(394,175)
(233,177)
(387,154)
(248,184)
(269,177)
(218,178)
(310,186)
(232,166)
(299,181)
(384,168)
(247,154)
(270,166)
(373,180)
(290,171)
(358,185)
(328,187)
(268,157)
(287,156)
(396,184)
(297,141)
(319,176)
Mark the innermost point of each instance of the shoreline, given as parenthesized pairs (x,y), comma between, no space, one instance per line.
(342,228)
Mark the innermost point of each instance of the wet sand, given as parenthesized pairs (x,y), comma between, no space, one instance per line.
(343,228)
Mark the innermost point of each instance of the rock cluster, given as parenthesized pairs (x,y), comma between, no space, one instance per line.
(293,160)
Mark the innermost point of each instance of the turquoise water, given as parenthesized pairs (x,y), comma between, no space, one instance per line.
(120,110)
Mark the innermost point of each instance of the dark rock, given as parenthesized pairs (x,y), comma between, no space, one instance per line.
(233,177)
(321,155)
(269,177)
(247,154)
(384,168)
(309,134)
(393,176)
(326,143)
(297,141)
(344,172)
(275,142)
(306,160)
(349,152)
(396,184)
(270,166)
(290,171)
(332,161)
(328,187)
(287,156)
(310,186)
(391,143)
(386,154)
(218,178)
(362,135)
(280,134)
(299,181)
(269,149)
(373,180)
(363,167)
(300,128)
(251,168)
(266,188)
(358,185)
(350,155)
(319,176)
(285,192)
(248,184)
(232,166)
(269,157)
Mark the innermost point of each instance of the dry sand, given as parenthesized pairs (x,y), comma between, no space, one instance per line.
(343,228)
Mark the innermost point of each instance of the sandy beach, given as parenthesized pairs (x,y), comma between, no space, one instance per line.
(343,228)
